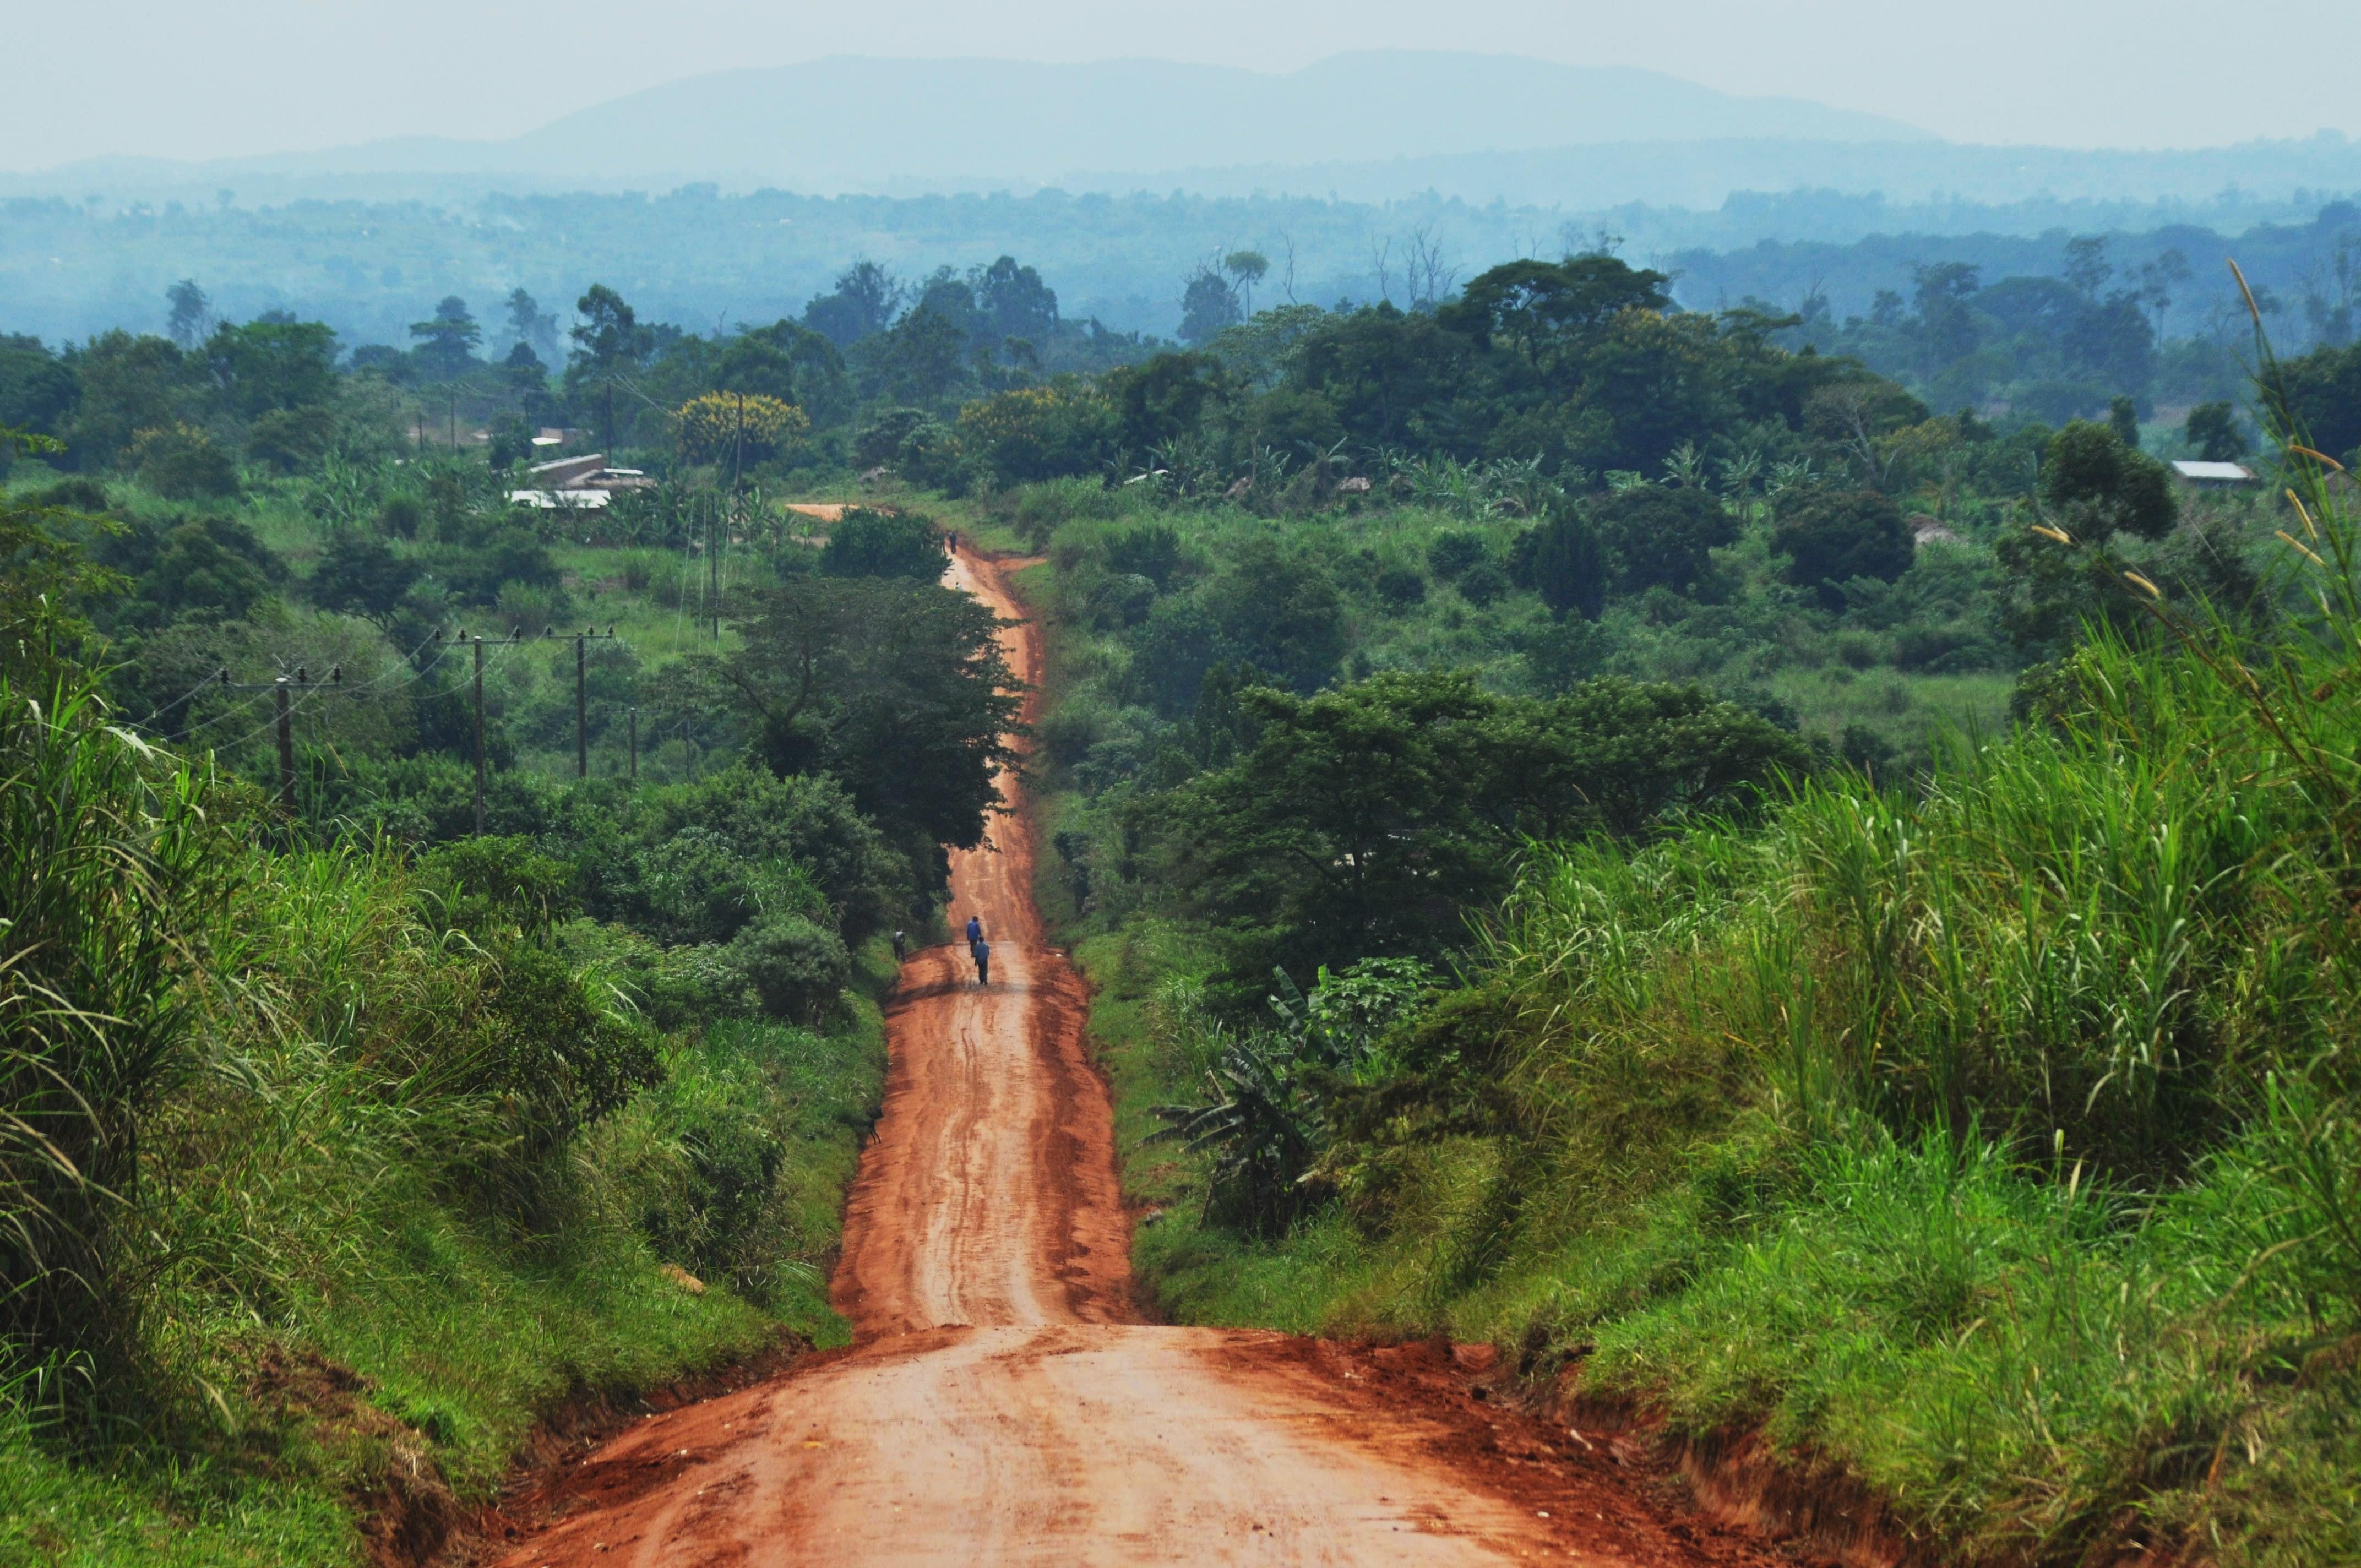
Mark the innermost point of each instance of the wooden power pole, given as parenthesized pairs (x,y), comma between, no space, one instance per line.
(582,639)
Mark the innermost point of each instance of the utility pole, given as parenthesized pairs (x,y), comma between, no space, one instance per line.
(713,565)
(515,635)
(286,742)
(582,695)
(479,737)
(738,463)
(281,691)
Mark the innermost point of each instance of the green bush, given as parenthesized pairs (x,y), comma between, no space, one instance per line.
(1832,537)
(1568,565)
(182,464)
(292,439)
(2099,486)
(1662,537)
(865,543)
(795,967)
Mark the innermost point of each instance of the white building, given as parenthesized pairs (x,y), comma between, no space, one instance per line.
(585,482)
(2195,473)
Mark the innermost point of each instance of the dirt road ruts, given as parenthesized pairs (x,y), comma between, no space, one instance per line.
(1002,1403)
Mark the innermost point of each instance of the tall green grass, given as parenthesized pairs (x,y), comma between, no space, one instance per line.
(1998,1145)
(281,1229)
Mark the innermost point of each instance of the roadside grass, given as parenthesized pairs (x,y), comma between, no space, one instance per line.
(1992,1145)
(343,1278)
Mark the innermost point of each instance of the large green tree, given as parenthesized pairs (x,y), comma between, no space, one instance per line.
(1548,312)
(1663,536)
(1372,819)
(1830,537)
(2097,485)
(127,385)
(272,362)
(898,688)
(446,343)
(609,344)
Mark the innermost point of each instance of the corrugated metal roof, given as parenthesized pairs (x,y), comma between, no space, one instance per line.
(2220,473)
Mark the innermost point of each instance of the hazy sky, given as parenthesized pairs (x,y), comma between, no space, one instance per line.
(166,78)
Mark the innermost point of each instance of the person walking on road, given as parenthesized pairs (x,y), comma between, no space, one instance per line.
(974,930)
(983,951)
(899,954)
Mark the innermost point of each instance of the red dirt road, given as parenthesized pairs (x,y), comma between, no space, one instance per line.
(1004,1404)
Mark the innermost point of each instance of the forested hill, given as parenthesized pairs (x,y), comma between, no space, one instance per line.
(72,267)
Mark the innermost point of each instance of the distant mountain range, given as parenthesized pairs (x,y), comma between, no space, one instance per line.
(861,124)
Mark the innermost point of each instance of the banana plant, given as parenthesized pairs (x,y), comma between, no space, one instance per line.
(1258,1123)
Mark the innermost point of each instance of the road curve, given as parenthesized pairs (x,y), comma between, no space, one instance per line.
(1002,1402)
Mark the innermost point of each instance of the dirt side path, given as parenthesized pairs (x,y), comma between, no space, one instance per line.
(1002,1404)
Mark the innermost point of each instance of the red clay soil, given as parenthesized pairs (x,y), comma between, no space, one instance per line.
(1004,1402)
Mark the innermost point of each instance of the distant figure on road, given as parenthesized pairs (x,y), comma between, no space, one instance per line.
(983,951)
(898,950)
(974,930)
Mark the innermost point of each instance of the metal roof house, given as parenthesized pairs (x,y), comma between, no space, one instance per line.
(578,482)
(2195,473)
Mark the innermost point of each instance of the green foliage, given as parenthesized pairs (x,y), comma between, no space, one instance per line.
(37,390)
(1454,551)
(557,1060)
(797,967)
(446,342)
(2099,486)
(2213,430)
(1568,565)
(181,462)
(495,886)
(865,543)
(1264,1123)
(1547,311)
(895,686)
(330,1202)
(47,582)
(291,440)
(1834,536)
(109,871)
(1279,608)
(767,1122)
(1374,818)
(127,384)
(361,576)
(2019,1102)
(270,362)
(1662,537)
(879,442)
(479,558)
(1151,551)
(2314,398)
(1209,303)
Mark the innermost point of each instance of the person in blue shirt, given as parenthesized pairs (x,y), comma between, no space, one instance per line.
(974,930)
(983,951)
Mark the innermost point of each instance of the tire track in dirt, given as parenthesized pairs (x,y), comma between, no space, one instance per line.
(1004,1404)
